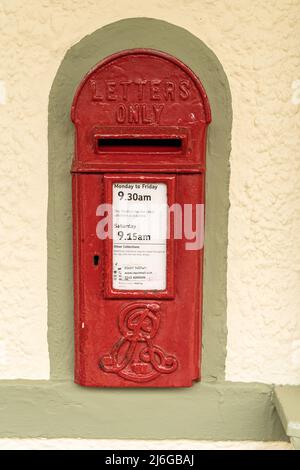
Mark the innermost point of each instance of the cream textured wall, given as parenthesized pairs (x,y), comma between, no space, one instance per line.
(258,44)
(99,444)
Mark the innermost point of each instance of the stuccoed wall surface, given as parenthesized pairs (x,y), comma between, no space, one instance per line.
(96,444)
(258,46)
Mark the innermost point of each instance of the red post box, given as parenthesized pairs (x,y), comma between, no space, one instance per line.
(138,178)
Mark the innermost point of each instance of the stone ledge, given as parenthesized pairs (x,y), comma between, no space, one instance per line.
(207,411)
(287,402)
(295,441)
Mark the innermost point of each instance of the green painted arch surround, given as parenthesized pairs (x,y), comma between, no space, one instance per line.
(213,408)
(80,58)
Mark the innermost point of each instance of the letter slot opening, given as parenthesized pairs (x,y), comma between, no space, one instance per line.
(139,145)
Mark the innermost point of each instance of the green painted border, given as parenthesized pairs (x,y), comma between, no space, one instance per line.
(287,402)
(127,34)
(206,411)
(212,409)
(296,442)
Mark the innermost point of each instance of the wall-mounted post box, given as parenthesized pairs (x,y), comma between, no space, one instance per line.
(138,196)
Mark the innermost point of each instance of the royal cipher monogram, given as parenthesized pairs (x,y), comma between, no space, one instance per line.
(139,101)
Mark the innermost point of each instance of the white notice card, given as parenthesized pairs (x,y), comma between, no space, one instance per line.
(139,236)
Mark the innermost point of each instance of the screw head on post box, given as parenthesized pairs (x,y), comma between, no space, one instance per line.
(138,177)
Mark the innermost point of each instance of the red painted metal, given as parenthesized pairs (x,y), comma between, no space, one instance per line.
(134,338)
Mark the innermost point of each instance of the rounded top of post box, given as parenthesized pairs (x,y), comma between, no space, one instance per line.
(133,76)
(140,110)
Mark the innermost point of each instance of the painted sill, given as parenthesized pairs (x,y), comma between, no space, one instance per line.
(215,411)
(287,402)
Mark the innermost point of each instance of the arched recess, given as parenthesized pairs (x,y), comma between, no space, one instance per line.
(80,58)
